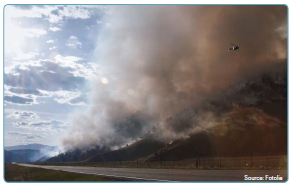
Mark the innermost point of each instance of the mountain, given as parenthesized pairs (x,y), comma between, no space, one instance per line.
(139,149)
(77,155)
(247,118)
(142,148)
(29,154)
(242,132)
(29,146)
(42,159)
(11,157)
(32,152)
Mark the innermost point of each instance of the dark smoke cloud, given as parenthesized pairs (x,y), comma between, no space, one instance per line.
(160,60)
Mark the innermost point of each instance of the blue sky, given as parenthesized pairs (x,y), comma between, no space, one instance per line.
(48,68)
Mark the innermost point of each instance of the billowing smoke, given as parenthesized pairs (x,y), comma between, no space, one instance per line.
(156,61)
(49,151)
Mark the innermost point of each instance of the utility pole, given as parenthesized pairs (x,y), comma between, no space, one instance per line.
(251,159)
(267,161)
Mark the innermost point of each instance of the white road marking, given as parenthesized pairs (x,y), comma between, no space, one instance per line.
(132,177)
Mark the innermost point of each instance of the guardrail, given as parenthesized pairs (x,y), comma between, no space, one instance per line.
(218,162)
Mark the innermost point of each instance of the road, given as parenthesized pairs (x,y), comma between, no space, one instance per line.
(167,175)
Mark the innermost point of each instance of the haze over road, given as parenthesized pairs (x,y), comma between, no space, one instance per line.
(171,175)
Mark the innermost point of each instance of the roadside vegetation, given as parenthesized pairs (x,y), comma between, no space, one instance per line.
(250,162)
(14,172)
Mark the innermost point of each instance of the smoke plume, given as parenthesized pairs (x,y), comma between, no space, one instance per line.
(156,61)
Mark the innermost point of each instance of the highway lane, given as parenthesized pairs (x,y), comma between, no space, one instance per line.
(167,175)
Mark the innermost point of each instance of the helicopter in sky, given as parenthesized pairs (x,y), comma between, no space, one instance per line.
(235,47)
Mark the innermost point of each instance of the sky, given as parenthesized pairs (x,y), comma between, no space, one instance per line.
(48,68)
(81,76)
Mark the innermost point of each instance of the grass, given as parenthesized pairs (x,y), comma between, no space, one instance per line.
(14,172)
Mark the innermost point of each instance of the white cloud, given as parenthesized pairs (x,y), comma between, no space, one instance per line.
(87,71)
(54,29)
(15,37)
(74,12)
(78,104)
(52,48)
(61,80)
(33,12)
(10,70)
(27,65)
(50,41)
(21,65)
(66,96)
(53,18)
(98,22)
(20,96)
(25,56)
(73,42)
(32,32)
(15,34)
(22,137)
(73,38)
(13,99)
(71,11)
(67,61)
(74,45)
(51,125)
(22,115)
(104,8)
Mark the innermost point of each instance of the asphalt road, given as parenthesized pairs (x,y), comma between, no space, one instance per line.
(168,175)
